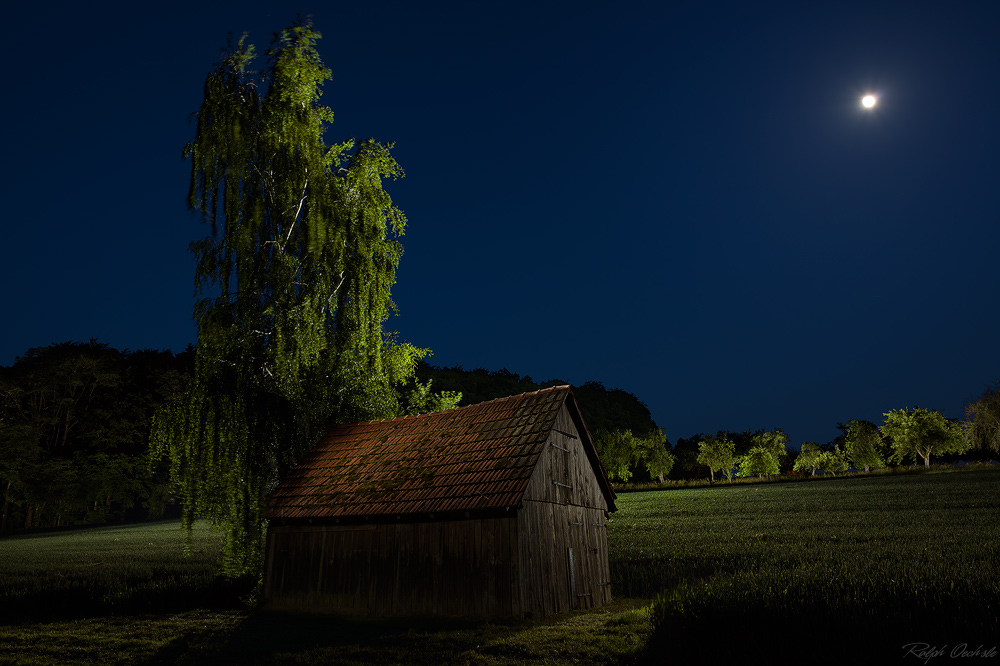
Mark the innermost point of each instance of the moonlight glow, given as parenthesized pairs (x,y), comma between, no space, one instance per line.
(868,101)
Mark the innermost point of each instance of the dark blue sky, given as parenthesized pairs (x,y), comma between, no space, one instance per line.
(684,200)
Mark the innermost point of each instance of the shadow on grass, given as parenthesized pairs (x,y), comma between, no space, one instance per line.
(282,638)
(589,637)
(81,601)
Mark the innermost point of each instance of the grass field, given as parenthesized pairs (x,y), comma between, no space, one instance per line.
(841,568)
(819,571)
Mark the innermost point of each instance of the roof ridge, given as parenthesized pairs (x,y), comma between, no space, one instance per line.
(455,409)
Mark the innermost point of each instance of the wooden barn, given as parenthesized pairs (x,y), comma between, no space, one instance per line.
(497,509)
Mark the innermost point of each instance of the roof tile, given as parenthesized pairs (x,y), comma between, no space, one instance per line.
(475,457)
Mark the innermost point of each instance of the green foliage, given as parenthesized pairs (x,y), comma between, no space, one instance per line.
(718,454)
(918,434)
(982,420)
(655,455)
(810,458)
(619,451)
(772,441)
(863,445)
(759,461)
(296,275)
(421,400)
(834,460)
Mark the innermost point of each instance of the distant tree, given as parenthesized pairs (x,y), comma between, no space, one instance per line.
(619,451)
(919,433)
(982,420)
(656,456)
(863,444)
(296,274)
(718,454)
(810,458)
(774,442)
(759,461)
(834,460)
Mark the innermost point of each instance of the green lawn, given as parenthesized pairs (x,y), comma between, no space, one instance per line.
(820,570)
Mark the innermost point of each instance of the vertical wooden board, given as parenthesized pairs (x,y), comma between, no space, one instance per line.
(543,558)
(528,581)
(517,573)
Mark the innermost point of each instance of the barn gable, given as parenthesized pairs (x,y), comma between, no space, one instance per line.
(495,509)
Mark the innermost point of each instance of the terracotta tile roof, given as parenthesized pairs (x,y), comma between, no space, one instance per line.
(477,457)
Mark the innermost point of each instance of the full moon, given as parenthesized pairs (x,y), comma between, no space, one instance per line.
(868,101)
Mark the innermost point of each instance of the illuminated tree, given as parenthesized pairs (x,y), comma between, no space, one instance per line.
(656,455)
(718,454)
(295,274)
(834,461)
(919,433)
(774,442)
(810,458)
(619,451)
(759,461)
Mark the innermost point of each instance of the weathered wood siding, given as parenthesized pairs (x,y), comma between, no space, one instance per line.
(564,546)
(465,568)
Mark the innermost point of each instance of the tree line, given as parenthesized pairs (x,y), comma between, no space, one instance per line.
(75,422)
(74,433)
(914,435)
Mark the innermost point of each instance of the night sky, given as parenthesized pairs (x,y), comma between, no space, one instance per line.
(684,200)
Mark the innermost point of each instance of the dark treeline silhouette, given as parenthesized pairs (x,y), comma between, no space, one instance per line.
(74,433)
(75,422)
(603,409)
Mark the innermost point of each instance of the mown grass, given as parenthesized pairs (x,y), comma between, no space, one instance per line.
(860,566)
(614,634)
(104,570)
(843,570)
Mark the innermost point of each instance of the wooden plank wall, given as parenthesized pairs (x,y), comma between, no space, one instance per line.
(549,531)
(563,473)
(464,568)
(563,510)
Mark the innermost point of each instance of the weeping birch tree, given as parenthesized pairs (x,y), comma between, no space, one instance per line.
(295,280)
